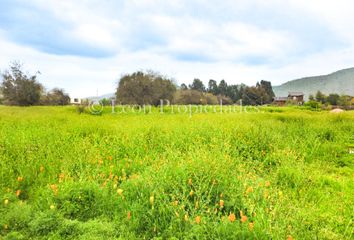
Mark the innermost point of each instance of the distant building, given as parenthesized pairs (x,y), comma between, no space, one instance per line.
(294,97)
(280,101)
(75,101)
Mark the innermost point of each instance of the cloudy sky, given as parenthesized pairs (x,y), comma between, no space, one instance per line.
(85,46)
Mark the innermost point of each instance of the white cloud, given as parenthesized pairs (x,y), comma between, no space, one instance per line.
(162,35)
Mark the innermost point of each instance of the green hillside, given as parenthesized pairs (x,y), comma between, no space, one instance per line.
(341,82)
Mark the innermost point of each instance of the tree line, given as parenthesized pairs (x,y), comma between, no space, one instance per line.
(21,89)
(150,87)
(333,99)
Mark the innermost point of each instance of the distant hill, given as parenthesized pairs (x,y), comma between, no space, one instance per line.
(341,82)
(107,96)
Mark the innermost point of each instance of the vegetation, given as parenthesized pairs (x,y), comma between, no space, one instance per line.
(332,99)
(20,89)
(144,88)
(260,94)
(55,97)
(275,173)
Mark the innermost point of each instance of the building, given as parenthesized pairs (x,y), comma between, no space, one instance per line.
(280,101)
(75,101)
(297,97)
(293,97)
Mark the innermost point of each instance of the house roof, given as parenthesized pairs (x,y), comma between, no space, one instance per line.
(296,94)
(280,98)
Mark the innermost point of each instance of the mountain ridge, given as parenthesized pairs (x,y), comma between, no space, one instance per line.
(341,82)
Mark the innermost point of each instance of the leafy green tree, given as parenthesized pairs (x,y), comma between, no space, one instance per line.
(19,88)
(222,88)
(55,97)
(311,98)
(189,97)
(213,87)
(183,86)
(144,88)
(105,102)
(333,99)
(269,94)
(197,85)
(344,100)
(320,97)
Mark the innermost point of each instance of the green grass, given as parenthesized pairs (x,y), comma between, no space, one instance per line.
(66,175)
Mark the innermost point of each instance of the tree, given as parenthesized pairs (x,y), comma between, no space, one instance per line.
(345,100)
(333,99)
(213,87)
(233,92)
(269,94)
(20,89)
(189,97)
(144,88)
(55,97)
(311,97)
(105,102)
(197,85)
(320,97)
(183,86)
(222,87)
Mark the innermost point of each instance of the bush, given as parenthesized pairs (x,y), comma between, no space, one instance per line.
(313,105)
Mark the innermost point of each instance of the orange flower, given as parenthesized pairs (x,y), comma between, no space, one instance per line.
(221,203)
(243,218)
(251,226)
(249,190)
(267,183)
(290,237)
(232,217)
(110,158)
(120,191)
(20,179)
(54,189)
(191,193)
(61,177)
(18,192)
(198,219)
(129,215)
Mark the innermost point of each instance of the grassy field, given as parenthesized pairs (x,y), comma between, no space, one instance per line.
(282,173)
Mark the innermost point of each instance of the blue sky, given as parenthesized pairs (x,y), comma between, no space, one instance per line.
(85,46)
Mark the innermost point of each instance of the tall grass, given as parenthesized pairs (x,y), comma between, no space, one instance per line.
(282,173)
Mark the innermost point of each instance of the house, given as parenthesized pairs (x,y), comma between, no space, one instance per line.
(297,97)
(280,101)
(293,97)
(75,101)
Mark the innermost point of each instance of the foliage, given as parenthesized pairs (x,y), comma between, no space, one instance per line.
(19,88)
(144,88)
(55,97)
(145,176)
(197,85)
(106,102)
(189,97)
(313,105)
